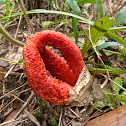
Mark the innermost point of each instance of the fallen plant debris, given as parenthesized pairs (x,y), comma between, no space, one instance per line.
(67,89)
(1,73)
(116,117)
(10,117)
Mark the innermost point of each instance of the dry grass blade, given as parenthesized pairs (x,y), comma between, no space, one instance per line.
(60,117)
(53,110)
(77,115)
(7,104)
(25,105)
(26,16)
(12,91)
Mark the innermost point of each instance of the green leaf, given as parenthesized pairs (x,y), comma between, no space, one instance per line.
(12,8)
(121,16)
(46,24)
(123,51)
(120,40)
(92,108)
(51,12)
(123,94)
(2,2)
(50,3)
(98,30)
(117,28)
(86,1)
(52,23)
(122,98)
(76,11)
(107,44)
(12,61)
(124,84)
(21,61)
(103,46)
(85,8)
(106,103)
(7,7)
(112,70)
(121,57)
(104,23)
(110,97)
(79,33)
(79,2)
(115,87)
(99,9)
(54,121)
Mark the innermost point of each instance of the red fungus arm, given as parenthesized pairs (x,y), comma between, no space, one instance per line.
(37,56)
(67,71)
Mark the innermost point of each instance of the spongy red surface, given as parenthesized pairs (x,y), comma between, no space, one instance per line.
(38,57)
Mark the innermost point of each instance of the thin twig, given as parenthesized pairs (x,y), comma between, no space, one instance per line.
(105,82)
(13,120)
(59,124)
(109,3)
(26,16)
(52,109)
(7,105)
(77,115)
(25,105)
(24,91)
(12,91)
(18,98)
(18,27)
(13,73)
(6,75)
(117,84)
(118,9)
(90,40)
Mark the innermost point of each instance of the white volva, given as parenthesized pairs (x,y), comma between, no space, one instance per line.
(79,98)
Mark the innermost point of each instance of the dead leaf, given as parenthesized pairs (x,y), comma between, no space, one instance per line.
(116,117)
(11,117)
(1,74)
(15,57)
(32,118)
(104,56)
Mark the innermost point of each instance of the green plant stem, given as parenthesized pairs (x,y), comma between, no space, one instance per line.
(11,61)
(120,40)
(111,52)
(9,38)
(26,16)
(117,28)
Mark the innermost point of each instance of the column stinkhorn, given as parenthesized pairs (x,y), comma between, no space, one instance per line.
(38,59)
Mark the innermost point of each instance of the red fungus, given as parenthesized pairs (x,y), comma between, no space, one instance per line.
(38,57)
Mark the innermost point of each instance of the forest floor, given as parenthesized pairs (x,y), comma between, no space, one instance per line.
(15,91)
